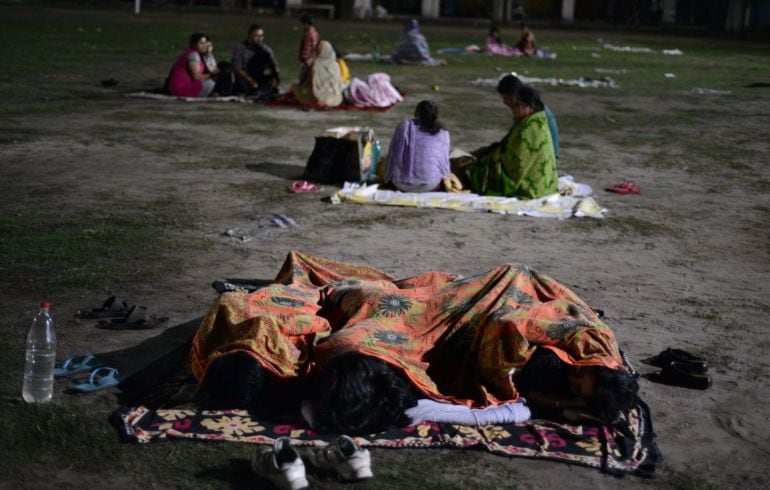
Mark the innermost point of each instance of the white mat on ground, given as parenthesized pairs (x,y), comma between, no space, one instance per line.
(365,57)
(573,199)
(582,82)
(152,95)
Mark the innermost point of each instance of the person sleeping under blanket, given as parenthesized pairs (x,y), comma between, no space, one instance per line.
(367,347)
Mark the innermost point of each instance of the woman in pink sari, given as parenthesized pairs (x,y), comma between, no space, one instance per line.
(379,92)
(496,46)
(188,76)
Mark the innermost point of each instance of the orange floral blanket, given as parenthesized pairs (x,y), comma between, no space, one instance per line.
(457,339)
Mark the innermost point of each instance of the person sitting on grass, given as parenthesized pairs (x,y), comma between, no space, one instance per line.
(523,163)
(527,47)
(418,156)
(255,67)
(308,45)
(508,86)
(189,77)
(496,46)
(526,44)
(412,47)
(344,70)
(322,82)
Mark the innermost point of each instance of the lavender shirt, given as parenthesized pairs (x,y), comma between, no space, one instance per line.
(416,157)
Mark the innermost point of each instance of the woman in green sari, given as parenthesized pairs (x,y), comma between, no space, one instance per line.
(523,163)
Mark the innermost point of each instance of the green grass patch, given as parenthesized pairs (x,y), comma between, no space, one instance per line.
(52,253)
(19,134)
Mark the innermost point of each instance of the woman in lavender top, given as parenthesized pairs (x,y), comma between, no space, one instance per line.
(418,156)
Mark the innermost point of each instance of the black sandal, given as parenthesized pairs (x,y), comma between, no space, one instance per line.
(693,363)
(114,306)
(136,319)
(681,374)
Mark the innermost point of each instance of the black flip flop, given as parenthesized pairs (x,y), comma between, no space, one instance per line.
(680,374)
(137,318)
(694,363)
(113,307)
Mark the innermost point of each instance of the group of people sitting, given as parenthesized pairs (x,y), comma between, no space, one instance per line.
(522,164)
(525,46)
(412,47)
(324,77)
(356,351)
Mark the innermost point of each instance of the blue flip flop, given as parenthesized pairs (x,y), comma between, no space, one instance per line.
(76,365)
(100,378)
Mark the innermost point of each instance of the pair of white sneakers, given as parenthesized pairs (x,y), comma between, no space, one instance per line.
(282,465)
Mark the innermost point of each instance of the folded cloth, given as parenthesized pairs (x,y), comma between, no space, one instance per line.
(452,183)
(432,411)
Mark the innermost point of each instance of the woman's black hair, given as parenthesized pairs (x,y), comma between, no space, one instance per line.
(234,380)
(337,52)
(493,29)
(616,389)
(307,19)
(195,37)
(616,393)
(543,372)
(361,394)
(509,85)
(531,97)
(426,114)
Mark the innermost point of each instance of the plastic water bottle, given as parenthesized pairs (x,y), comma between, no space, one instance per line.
(376,53)
(376,149)
(41,357)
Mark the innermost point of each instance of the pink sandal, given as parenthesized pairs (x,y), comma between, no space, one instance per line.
(303,186)
(625,187)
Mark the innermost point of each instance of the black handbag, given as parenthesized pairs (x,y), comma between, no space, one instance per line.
(336,160)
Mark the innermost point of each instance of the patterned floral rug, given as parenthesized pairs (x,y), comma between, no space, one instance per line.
(625,448)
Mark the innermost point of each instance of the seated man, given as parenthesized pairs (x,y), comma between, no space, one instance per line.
(254,65)
(523,163)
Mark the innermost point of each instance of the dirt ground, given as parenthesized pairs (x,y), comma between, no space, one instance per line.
(684,264)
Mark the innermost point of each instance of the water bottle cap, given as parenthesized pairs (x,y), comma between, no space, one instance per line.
(45,305)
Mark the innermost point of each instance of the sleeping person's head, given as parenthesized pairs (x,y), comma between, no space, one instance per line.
(233,380)
(361,394)
(615,391)
(605,392)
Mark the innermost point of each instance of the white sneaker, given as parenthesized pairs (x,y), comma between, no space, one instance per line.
(345,457)
(281,465)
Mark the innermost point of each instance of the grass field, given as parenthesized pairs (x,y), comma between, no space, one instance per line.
(73,236)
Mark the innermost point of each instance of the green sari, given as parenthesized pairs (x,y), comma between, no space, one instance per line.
(521,165)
